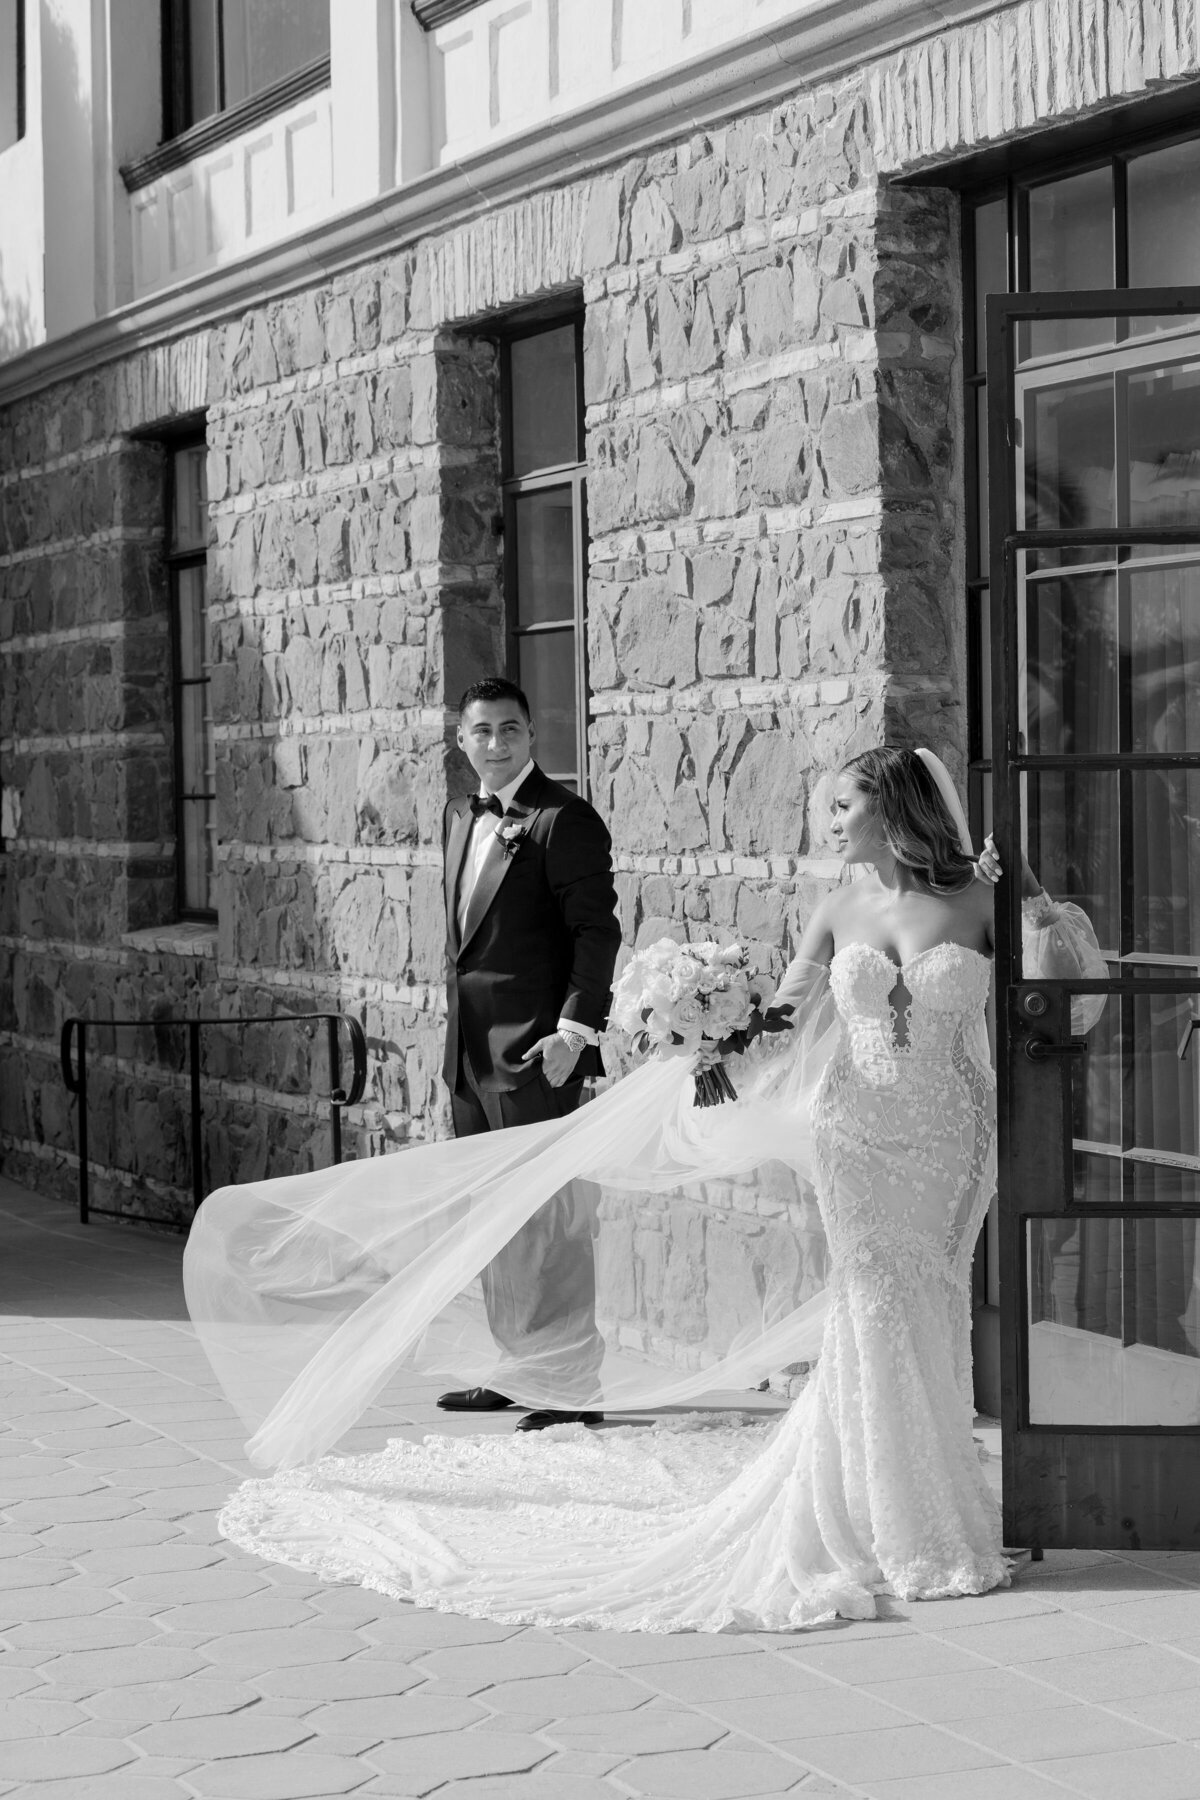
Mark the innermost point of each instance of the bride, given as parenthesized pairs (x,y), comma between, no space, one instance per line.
(310,1291)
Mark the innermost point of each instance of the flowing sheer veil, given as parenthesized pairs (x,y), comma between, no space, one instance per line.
(309,1292)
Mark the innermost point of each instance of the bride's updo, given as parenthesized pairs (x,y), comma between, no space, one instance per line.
(916,822)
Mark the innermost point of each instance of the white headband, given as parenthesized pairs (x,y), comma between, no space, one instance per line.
(949,793)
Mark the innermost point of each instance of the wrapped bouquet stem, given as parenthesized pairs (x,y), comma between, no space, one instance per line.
(703,1000)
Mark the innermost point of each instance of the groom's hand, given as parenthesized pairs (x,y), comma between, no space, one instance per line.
(557,1059)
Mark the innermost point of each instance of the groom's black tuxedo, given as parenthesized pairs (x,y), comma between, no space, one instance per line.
(540,935)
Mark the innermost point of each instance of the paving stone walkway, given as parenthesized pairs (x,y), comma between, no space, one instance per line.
(144,1659)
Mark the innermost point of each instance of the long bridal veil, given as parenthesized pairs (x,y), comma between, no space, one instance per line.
(310,1292)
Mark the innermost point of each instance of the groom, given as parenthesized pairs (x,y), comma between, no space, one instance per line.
(532,937)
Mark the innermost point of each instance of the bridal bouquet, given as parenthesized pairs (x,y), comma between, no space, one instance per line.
(677,998)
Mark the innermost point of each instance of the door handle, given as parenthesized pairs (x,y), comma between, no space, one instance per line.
(1039,1048)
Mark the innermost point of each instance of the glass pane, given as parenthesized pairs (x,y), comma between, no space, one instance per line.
(1164,224)
(1136,1100)
(544,401)
(545,556)
(547,673)
(1101,839)
(1164,446)
(981,480)
(984,695)
(189,527)
(991,266)
(1074,842)
(195,740)
(1114,1321)
(266,40)
(203,67)
(1070,247)
(196,852)
(10,74)
(190,619)
(1071,665)
(1164,675)
(1069,461)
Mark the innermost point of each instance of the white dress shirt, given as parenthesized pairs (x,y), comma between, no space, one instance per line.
(483,831)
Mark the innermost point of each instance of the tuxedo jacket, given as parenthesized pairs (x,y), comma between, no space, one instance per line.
(540,937)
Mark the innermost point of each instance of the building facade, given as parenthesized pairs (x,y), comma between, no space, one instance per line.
(638,350)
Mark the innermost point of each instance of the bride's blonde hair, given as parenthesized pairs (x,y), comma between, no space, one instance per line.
(915,820)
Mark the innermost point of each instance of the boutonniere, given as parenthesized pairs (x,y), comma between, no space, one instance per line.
(510,831)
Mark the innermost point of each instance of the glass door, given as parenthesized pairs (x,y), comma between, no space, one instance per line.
(1094,435)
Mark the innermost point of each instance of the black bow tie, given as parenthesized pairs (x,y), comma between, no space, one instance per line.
(486,803)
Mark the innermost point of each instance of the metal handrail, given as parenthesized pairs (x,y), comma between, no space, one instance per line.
(75,1076)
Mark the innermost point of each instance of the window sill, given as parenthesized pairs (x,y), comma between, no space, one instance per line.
(225,125)
(186,937)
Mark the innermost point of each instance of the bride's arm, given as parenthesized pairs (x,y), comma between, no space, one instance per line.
(1058,940)
(805,976)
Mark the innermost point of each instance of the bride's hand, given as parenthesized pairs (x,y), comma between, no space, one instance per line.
(989,868)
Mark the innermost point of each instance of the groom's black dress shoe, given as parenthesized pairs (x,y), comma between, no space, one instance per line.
(538,1421)
(474,1400)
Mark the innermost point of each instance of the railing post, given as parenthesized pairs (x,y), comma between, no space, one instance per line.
(194,1076)
(81,1027)
(336,1095)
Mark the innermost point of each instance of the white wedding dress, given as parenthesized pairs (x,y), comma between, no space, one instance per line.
(869,1484)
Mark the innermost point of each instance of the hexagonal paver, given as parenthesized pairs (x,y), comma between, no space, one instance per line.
(393,1716)
(33,1571)
(357,1680)
(180,1586)
(148,1702)
(650,1728)
(294,1776)
(34,1718)
(64,1600)
(427,1762)
(540,1785)
(112,1630)
(248,1652)
(476,1666)
(44,1759)
(121,1668)
(710,1775)
(148,1560)
(75,1539)
(121,1786)
(559,1696)
(408,1629)
(226,1618)
(249,1733)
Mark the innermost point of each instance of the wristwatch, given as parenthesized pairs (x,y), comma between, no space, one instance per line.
(574,1040)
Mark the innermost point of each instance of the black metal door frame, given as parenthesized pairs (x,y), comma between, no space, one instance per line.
(1065,1486)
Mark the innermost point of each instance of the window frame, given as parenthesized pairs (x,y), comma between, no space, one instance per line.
(177,561)
(181,143)
(572,475)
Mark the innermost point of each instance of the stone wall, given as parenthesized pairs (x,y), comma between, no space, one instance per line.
(772,400)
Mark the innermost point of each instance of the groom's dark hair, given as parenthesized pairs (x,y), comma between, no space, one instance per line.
(494,687)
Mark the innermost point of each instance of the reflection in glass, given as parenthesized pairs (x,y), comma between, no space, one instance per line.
(1071,665)
(1165,858)
(1074,842)
(190,620)
(991,267)
(1164,219)
(195,822)
(985,695)
(1136,1101)
(189,523)
(1114,1321)
(1164,446)
(266,40)
(545,555)
(547,674)
(981,491)
(544,401)
(1069,462)
(1165,659)
(1070,247)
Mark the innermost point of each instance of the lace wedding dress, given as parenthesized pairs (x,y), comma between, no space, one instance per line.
(870,1483)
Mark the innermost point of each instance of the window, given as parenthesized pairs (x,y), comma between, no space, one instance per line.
(545,539)
(220,53)
(194,754)
(1129,218)
(12,72)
